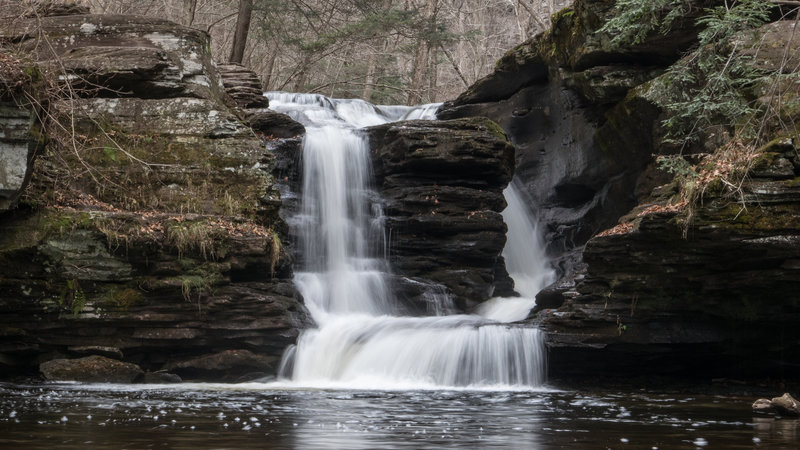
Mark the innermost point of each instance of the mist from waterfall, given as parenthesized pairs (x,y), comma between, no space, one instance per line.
(360,341)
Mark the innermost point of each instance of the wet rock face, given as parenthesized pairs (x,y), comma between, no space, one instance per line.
(581,149)
(155,229)
(645,298)
(721,302)
(229,365)
(442,185)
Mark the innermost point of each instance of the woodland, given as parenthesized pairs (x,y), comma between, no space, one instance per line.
(384,51)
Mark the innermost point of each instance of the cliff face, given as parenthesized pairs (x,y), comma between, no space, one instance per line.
(150,223)
(704,286)
(443,183)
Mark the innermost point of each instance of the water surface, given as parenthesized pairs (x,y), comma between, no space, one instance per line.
(272,416)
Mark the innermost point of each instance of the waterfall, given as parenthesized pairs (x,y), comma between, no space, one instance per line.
(526,261)
(360,341)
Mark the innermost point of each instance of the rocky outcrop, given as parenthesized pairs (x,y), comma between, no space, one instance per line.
(697,278)
(151,223)
(20,136)
(578,159)
(442,185)
(720,302)
(119,56)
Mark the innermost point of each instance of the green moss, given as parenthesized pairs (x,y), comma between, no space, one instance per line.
(62,222)
(72,297)
(120,298)
(495,129)
(558,17)
(753,220)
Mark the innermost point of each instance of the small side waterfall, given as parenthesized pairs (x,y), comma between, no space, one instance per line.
(526,261)
(360,342)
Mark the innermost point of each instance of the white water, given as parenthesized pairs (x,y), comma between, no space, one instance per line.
(360,343)
(526,261)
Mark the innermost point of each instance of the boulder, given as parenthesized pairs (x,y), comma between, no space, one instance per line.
(119,56)
(228,365)
(273,124)
(91,369)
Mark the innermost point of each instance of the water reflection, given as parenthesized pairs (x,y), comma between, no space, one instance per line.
(265,416)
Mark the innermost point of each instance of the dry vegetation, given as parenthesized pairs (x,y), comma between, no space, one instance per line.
(387,51)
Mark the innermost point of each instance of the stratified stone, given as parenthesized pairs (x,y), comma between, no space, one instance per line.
(91,369)
(152,226)
(442,185)
(243,85)
(108,352)
(120,56)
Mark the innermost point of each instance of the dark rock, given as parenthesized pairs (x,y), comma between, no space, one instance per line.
(156,230)
(108,352)
(273,124)
(228,365)
(91,369)
(697,292)
(518,68)
(441,183)
(161,378)
(580,151)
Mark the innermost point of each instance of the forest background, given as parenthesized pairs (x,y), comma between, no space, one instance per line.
(384,51)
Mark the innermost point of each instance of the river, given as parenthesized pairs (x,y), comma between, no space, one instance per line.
(73,416)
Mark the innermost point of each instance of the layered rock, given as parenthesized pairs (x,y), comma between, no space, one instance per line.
(151,223)
(20,136)
(578,159)
(243,86)
(700,284)
(721,302)
(442,185)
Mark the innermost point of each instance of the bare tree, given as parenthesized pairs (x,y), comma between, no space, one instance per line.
(389,51)
(242,29)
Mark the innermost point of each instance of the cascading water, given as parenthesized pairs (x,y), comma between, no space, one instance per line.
(526,261)
(359,342)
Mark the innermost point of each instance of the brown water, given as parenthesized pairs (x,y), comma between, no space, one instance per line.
(201,416)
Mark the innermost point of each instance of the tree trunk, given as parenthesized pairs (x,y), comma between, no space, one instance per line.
(272,50)
(421,56)
(369,78)
(191,9)
(242,28)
